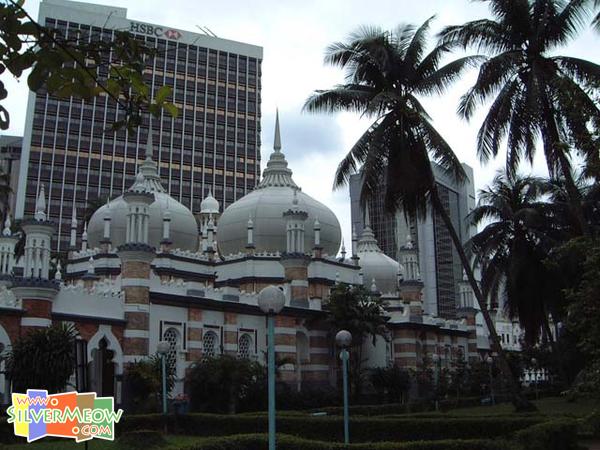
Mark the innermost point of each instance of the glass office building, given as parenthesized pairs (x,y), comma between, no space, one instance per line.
(213,144)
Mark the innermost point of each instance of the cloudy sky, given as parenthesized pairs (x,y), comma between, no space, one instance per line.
(294,35)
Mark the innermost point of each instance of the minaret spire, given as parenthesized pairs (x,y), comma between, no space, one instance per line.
(277,141)
(40,205)
(149,143)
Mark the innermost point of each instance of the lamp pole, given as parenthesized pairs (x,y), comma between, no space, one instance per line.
(271,301)
(162,349)
(490,362)
(343,338)
(436,360)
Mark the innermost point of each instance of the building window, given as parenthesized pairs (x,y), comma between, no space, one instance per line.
(171,336)
(210,343)
(245,346)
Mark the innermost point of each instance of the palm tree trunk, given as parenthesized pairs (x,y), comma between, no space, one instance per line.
(519,401)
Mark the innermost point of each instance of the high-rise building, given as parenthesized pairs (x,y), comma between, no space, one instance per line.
(213,145)
(441,269)
(10,157)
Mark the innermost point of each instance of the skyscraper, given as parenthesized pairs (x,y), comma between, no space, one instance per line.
(214,143)
(441,270)
(10,156)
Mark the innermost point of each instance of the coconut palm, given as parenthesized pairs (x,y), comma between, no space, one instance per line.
(536,95)
(386,73)
(510,250)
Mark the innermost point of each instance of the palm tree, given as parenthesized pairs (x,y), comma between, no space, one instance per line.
(510,250)
(385,74)
(535,94)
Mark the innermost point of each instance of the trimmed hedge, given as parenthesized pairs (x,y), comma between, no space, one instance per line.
(260,442)
(552,435)
(362,429)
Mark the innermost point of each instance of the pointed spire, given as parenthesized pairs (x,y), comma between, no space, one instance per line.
(277,140)
(74,218)
(149,141)
(91,270)
(40,205)
(7,231)
(58,274)
(343,252)
(367,217)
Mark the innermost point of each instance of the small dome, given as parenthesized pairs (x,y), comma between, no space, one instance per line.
(183,229)
(265,207)
(375,264)
(209,205)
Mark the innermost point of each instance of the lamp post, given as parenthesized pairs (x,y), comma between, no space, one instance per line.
(343,339)
(490,362)
(162,349)
(271,301)
(436,361)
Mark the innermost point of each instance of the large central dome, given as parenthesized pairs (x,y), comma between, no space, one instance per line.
(266,205)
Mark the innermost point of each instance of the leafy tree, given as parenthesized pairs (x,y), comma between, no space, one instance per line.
(386,73)
(143,379)
(584,311)
(391,383)
(221,383)
(536,95)
(67,66)
(352,308)
(43,359)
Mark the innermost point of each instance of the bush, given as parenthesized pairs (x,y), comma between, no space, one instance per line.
(362,429)
(143,384)
(141,439)
(553,435)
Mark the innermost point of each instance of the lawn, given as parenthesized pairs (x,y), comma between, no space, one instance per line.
(173,442)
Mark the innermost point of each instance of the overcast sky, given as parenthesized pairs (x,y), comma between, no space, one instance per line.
(294,35)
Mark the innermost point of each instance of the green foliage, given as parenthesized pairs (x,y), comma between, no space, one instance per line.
(70,67)
(352,308)
(143,380)
(553,435)
(364,429)
(43,359)
(141,439)
(222,383)
(391,383)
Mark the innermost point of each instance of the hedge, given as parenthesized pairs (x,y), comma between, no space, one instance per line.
(552,435)
(362,429)
(286,442)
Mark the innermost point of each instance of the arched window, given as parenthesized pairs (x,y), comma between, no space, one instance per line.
(245,346)
(210,344)
(172,337)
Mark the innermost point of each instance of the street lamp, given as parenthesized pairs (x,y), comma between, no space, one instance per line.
(343,339)
(271,301)
(436,361)
(490,361)
(162,349)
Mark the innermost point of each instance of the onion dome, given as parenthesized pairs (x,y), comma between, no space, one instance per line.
(184,229)
(266,205)
(377,267)
(209,205)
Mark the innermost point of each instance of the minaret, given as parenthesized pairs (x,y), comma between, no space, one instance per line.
(84,237)
(73,239)
(210,238)
(250,240)
(466,310)
(317,249)
(355,257)
(136,256)
(166,242)
(106,242)
(8,241)
(411,288)
(295,219)
(34,289)
(343,252)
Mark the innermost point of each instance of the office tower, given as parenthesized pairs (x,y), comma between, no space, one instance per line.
(214,143)
(441,270)
(10,158)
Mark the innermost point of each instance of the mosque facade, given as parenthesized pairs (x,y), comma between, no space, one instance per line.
(147,269)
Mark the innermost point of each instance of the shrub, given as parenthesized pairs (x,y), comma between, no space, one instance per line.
(552,435)
(362,429)
(143,384)
(141,439)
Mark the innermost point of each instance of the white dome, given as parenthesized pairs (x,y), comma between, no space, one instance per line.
(209,205)
(266,205)
(375,264)
(183,227)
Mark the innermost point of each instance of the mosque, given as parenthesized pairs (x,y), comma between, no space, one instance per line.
(147,270)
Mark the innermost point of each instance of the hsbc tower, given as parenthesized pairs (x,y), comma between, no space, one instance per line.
(213,144)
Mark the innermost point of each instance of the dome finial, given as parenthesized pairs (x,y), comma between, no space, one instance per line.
(277,141)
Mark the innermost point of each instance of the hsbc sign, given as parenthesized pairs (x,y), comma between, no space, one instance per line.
(152,30)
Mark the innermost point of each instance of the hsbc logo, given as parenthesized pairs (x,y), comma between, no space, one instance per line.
(152,30)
